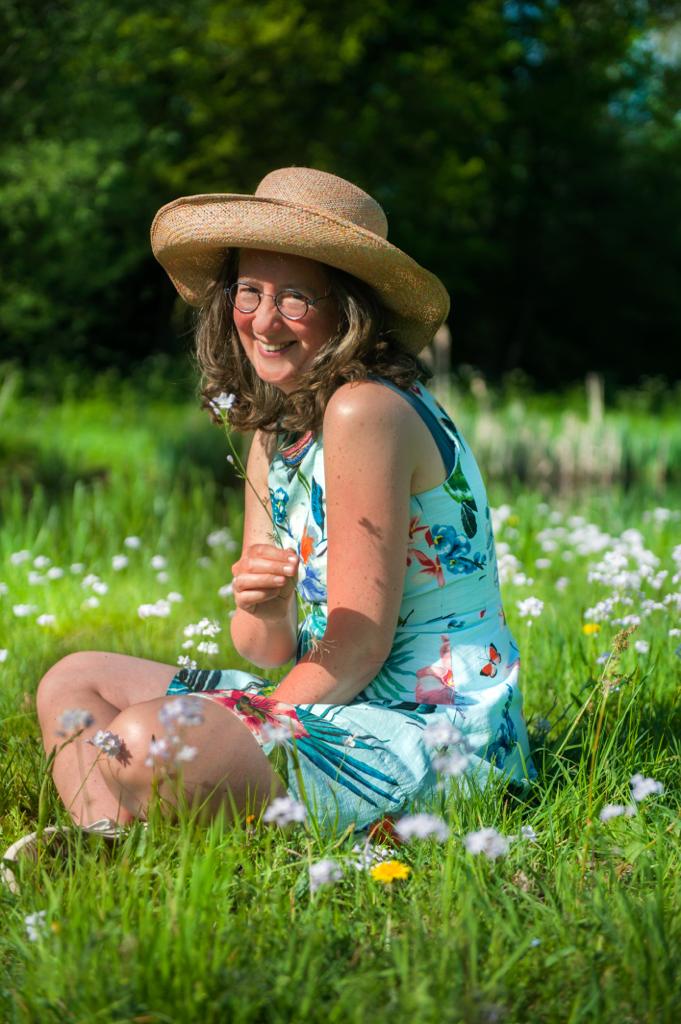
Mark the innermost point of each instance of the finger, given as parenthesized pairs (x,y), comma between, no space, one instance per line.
(250,601)
(269,551)
(258,581)
(261,565)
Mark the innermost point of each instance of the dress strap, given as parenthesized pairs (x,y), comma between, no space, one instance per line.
(444,442)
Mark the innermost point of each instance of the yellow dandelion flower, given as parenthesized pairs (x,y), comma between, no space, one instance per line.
(513,519)
(590,628)
(388,870)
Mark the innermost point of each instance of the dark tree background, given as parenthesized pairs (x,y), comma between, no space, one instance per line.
(527,153)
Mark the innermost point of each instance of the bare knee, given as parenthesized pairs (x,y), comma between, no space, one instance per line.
(129,770)
(74,671)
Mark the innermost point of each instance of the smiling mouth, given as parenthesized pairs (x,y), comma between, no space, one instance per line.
(276,348)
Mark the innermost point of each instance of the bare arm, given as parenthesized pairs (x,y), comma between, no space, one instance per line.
(368,462)
(264,625)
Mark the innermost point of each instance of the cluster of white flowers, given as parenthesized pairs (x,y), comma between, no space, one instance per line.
(221,539)
(642,787)
(175,715)
(422,826)
(160,609)
(487,841)
(204,628)
(36,925)
(324,872)
(530,608)
(284,810)
(74,720)
(368,854)
(108,742)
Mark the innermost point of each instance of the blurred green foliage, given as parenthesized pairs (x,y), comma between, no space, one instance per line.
(527,153)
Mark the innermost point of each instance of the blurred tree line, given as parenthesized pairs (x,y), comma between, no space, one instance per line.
(527,153)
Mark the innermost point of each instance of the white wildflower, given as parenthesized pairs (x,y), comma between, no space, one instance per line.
(19,556)
(527,832)
(159,750)
(227,590)
(23,610)
(422,826)
(452,763)
(368,855)
(181,711)
(602,658)
(616,810)
(76,568)
(36,925)
(543,563)
(46,620)
(441,734)
(158,562)
(187,644)
(4,589)
(74,720)
(184,661)
(324,872)
(275,732)
(160,610)
(55,573)
(36,579)
(530,607)
(284,810)
(119,562)
(108,742)
(641,646)
(186,754)
(487,841)
(641,787)
(675,632)
(41,562)
(207,647)
(174,597)
(222,403)
(90,602)
(3,654)
(221,539)
(162,577)
(562,583)
(133,543)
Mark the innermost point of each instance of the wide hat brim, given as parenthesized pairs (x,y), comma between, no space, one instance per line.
(190,236)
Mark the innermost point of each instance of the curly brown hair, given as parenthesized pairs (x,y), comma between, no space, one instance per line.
(361,346)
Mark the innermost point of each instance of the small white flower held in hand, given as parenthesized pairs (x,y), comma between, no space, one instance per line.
(222,403)
(108,742)
(36,925)
(181,711)
(487,841)
(74,720)
(641,787)
(616,810)
(324,872)
(284,810)
(422,826)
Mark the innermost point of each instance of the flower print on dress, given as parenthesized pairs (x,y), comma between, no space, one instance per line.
(429,566)
(454,549)
(279,501)
(311,587)
(506,736)
(258,712)
(442,690)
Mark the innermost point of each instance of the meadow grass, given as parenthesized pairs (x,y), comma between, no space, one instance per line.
(578,921)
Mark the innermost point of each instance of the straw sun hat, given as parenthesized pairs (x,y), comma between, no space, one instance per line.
(308,213)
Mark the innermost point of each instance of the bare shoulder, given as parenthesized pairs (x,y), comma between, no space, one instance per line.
(367,405)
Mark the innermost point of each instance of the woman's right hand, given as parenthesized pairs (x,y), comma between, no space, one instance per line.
(264,579)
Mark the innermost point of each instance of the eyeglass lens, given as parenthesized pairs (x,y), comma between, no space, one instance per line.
(246,299)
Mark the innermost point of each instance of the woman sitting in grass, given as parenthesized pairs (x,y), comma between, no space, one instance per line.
(368,556)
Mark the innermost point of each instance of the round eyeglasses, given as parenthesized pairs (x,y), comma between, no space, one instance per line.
(291,304)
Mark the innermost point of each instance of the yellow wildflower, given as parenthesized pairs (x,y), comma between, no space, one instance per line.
(388,870)
(513,519)
(590,628)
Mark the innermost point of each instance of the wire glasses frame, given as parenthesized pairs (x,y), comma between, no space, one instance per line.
(291,304)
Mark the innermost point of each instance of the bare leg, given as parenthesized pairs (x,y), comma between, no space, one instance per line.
(229,769)
(103,684)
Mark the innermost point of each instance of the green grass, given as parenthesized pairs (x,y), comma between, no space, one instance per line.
(188,923)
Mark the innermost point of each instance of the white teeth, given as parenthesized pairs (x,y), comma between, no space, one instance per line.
(275,348)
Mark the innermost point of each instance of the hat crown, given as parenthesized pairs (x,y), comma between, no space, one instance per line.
(325,193)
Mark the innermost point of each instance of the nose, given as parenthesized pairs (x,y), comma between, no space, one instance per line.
(267,316)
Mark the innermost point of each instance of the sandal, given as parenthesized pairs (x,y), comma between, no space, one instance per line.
(27,846)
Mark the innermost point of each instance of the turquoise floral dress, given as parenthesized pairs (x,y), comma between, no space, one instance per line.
(453,658)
